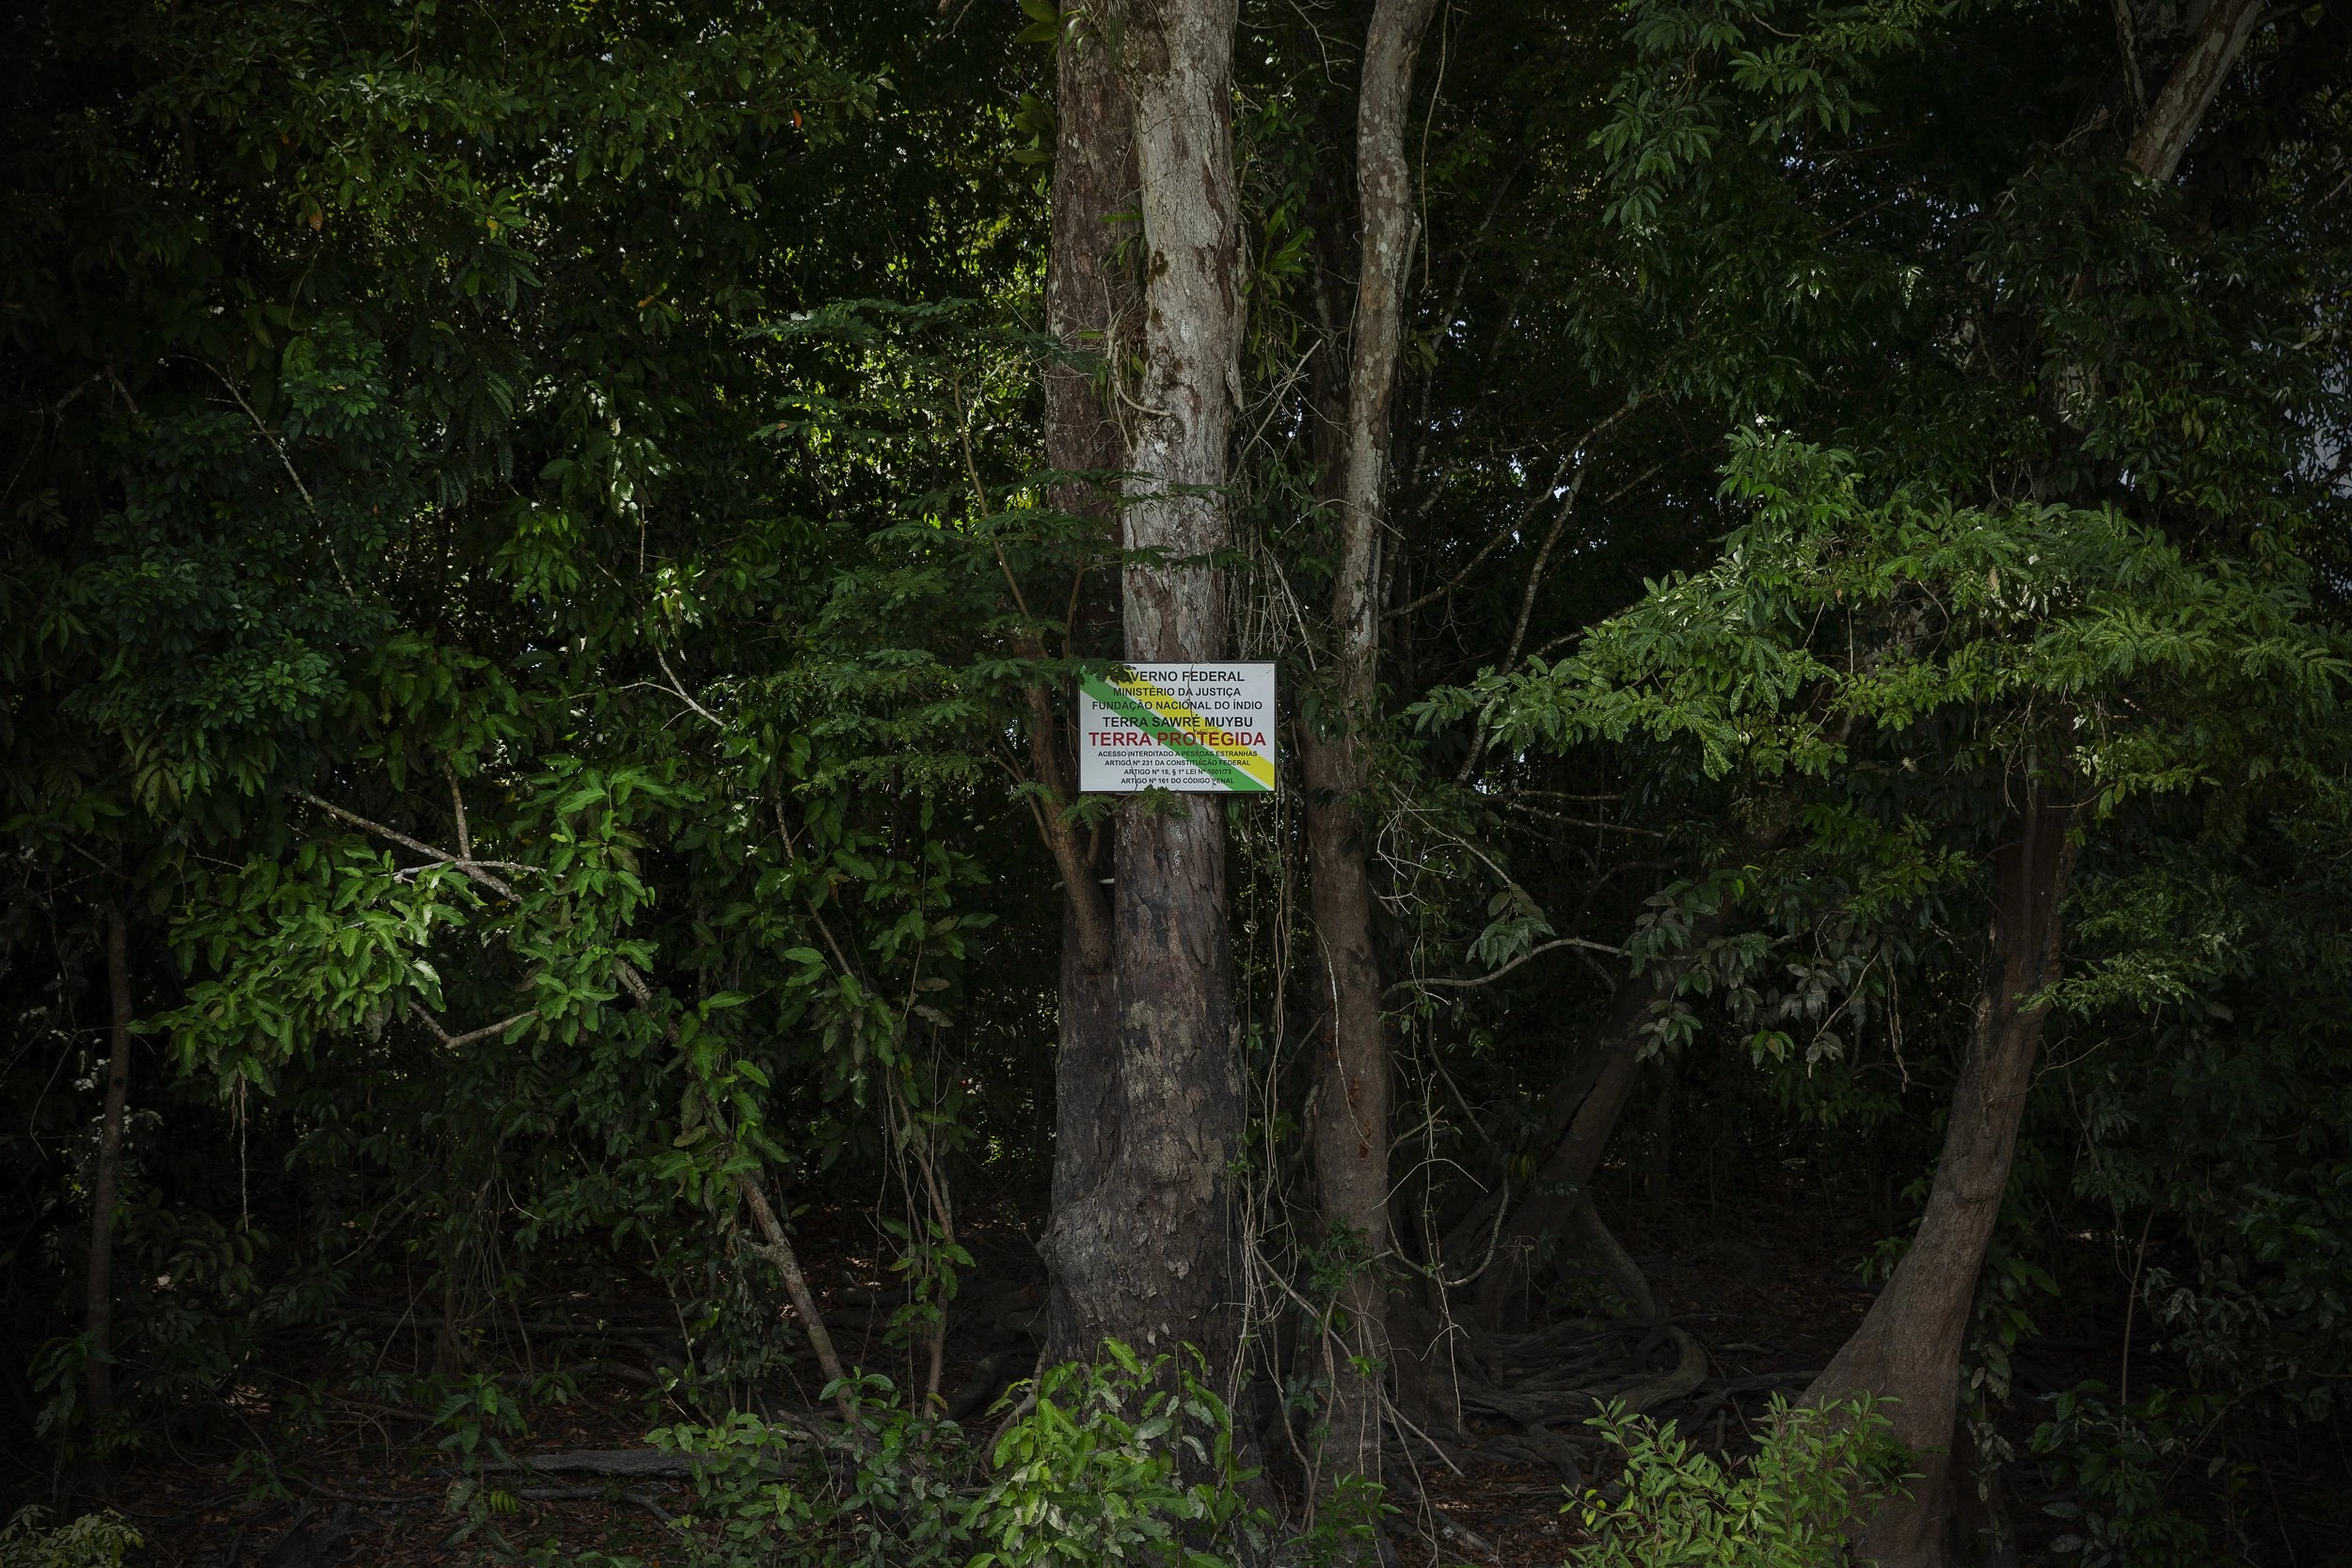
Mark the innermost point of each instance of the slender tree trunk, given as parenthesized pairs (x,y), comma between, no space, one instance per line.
(1350,1130)
(1586,1106)
(1147,1255)
(775,1244)
(1090,304)
(777,1247)
(1585,1102)
(106,1182)
(1908,1346)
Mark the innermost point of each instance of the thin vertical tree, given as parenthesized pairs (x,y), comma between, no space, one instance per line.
(1909,1345)
(106,1182)
(1089,301)
(1350,1130)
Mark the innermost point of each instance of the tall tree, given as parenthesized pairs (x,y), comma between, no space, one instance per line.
(1908,1346)
(1146,1254)
(1091,306)
(1350,1131)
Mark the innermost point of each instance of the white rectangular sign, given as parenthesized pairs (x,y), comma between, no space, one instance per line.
(1199,728)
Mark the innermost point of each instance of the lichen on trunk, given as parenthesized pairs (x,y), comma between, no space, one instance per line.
(1145,1254)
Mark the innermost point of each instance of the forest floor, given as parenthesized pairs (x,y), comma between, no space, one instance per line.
(1768,1282)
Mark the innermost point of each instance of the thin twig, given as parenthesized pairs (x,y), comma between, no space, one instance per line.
(1490,979)
(679,687)
(1527,612)
(454,1042)
(1565,820)
(1516,524)
(269,435)
(1507,530)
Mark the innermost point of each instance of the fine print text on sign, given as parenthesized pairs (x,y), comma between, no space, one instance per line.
(1199,728)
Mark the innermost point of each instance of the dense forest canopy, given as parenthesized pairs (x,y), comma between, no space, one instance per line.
(1788,1004)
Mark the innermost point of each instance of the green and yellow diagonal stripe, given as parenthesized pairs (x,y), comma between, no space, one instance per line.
(1167,720)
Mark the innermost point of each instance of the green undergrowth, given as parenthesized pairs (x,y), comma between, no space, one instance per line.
(93,1541)
(1791,1504)
(1125,1462)
(1133,1461)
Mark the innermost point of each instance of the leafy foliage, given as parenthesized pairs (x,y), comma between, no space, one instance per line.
(1793,1504)
(93,1541)
(526,558)
(1116,1462)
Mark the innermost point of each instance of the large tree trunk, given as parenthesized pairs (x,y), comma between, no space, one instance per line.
(1090,304)
(1147,1255)
(2215,40)
(1086,1124)
(106,1182)
(1909,1345)
(1350,1130)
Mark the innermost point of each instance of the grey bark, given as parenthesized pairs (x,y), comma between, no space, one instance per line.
(1086,1123)
(1088,297)
(1146,1254)
(1909,1345)
(2216,42)
(1350,1130)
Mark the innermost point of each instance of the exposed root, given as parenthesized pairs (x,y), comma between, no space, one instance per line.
(1689,1372)
(1615,1265)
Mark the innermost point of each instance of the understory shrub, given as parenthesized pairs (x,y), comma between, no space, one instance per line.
(2112,1464)
(1127,1462)
(93,1541)
(1790,1504)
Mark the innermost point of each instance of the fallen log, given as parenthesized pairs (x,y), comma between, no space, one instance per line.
(595,1494)
(621,1464)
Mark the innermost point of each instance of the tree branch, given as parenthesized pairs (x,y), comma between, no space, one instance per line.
(1490,979)
(476,870)
(455,1042)
(2164,136)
